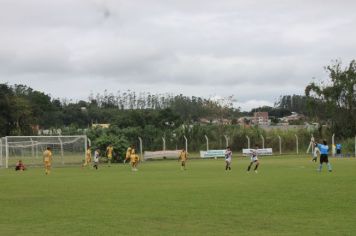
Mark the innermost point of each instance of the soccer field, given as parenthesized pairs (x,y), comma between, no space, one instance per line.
(287,197)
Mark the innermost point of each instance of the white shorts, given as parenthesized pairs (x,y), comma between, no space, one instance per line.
(254,159)
(228,160)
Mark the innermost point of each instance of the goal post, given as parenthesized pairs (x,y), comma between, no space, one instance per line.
(67,150)
(1,153)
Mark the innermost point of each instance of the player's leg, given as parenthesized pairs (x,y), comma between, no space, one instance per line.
(321,162)
(328,164)
(227,167)
(109,161)
(183,165)
(257,163)
(249,167)
(47,168)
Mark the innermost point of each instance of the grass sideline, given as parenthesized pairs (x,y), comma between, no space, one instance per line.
(286,197)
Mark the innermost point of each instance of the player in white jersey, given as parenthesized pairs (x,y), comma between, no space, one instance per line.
(96,158)
(254,160)
(315,154)
(228,158)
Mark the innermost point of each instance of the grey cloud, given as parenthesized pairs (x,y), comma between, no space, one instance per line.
(196,47)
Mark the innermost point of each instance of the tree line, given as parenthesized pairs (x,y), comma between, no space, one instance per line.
(331,103)
(23,109)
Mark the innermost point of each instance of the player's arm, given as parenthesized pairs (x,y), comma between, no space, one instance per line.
(128,154)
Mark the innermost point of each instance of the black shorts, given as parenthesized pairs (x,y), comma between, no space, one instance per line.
(338,151)
(324,158)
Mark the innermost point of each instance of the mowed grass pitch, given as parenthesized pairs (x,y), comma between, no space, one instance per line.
(286,197)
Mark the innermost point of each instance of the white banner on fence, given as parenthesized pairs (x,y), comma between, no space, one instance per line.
(261,152)
(212,153)
(171,154)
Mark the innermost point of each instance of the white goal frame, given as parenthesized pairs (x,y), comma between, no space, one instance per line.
(5,145)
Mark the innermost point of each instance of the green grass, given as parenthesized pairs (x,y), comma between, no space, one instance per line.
(286,197)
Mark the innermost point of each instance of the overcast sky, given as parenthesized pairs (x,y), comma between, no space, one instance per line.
(254,50)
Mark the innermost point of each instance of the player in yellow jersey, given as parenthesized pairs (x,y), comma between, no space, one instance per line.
(134,158)
(128,154)
(109,153)
(47,160)
(183,157)
(87,160)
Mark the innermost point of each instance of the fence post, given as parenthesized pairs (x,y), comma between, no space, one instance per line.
(280,145)
(32,148)
(248,142)
(85,147)
(140,141)
(164,143)
(186,143)
(207,142)
(226,140)
(263,141)
(311,144)
(6,153)
(333,145)
(62,154)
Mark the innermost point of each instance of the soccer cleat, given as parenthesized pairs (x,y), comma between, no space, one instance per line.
(256,171)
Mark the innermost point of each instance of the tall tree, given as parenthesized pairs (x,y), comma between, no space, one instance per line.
(339,95)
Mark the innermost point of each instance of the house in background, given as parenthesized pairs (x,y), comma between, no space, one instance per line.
(261,118)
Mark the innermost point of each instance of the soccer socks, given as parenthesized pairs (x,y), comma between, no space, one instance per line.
(249,167)
(329,167)
(321,166)
(256,167)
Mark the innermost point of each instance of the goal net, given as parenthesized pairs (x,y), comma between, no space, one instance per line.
(66,150)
